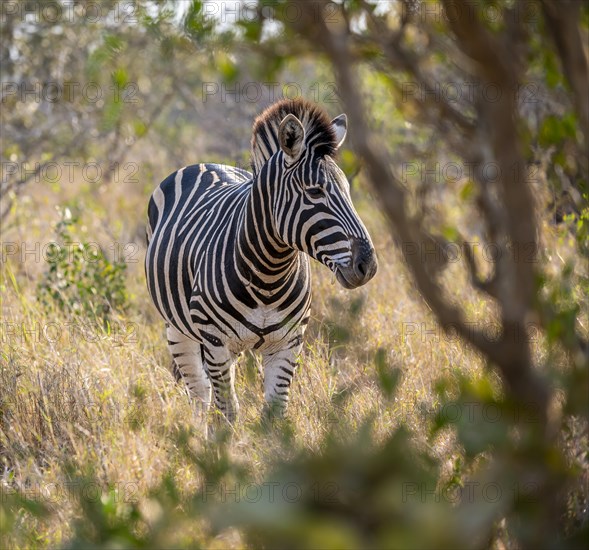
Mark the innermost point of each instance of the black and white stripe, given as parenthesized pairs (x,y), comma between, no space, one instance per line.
(228,258)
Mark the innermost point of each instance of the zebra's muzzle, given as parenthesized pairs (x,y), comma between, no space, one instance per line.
(362,267)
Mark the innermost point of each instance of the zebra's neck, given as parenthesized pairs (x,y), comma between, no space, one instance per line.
(264,263)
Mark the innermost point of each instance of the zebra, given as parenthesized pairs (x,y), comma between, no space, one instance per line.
(227,262)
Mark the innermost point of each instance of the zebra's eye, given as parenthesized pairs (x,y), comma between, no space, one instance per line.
(315,192)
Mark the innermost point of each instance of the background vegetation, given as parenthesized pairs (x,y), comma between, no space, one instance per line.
(443,405)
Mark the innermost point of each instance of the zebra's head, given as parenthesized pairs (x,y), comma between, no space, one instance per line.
(311,203)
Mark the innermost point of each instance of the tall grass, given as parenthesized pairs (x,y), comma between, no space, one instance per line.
(93,424)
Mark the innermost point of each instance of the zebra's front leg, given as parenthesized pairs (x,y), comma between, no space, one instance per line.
(279,368)
(188,359)
(220,365)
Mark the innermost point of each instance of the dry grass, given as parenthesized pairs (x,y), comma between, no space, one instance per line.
(73,396)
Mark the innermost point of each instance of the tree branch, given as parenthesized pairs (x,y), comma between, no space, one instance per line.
(562,19)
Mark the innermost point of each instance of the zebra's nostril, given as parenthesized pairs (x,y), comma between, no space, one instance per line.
(361,268)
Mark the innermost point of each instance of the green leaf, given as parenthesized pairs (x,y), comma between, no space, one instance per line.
(450,233)
(139,128)
(467,191)
(556,129)
(120,77)
(227,67)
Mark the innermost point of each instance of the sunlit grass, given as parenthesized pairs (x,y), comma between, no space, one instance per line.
(77,397)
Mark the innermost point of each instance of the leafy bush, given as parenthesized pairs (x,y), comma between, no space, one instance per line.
(80,279)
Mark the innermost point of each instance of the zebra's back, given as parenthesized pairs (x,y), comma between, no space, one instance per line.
(189,210)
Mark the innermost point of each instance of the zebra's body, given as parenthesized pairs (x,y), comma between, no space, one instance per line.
(224,264)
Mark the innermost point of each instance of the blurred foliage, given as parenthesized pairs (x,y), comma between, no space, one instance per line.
(358,492)
(80,279)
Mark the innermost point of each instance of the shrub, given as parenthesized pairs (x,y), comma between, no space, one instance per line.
(80,279)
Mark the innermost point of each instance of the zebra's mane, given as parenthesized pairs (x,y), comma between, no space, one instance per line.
(319,133)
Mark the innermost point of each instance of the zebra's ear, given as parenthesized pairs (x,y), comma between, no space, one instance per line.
(292,135)
(340,127)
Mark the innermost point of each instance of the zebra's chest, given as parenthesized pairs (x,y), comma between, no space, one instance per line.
(239,328)
(267,326)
